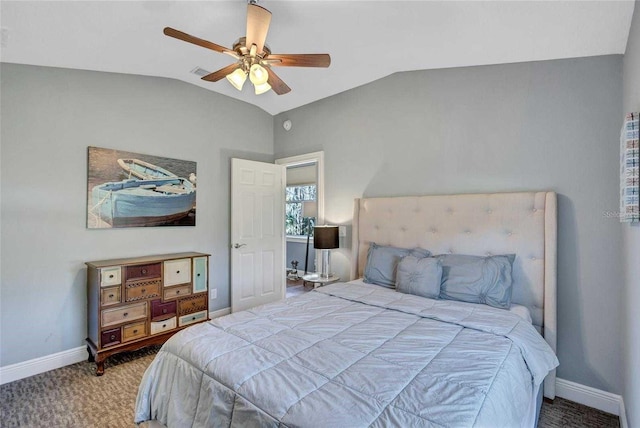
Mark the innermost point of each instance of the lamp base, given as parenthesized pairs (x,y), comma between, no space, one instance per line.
(326,261)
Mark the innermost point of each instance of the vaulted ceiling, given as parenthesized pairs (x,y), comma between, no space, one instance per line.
(366,40)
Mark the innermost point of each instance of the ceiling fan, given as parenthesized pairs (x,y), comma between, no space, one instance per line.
(253,56)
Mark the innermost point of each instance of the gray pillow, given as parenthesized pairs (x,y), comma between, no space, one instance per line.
(419,276)
(382,262)
(477,279)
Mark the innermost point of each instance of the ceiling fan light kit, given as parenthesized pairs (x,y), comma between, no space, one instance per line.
(237,78)
(262,88)
(258,75)
(253,56)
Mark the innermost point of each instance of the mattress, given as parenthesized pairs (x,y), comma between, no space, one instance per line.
(350,355)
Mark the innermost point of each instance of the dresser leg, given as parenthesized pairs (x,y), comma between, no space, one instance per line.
(99,367)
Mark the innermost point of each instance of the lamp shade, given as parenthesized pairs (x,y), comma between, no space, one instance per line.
(325,237)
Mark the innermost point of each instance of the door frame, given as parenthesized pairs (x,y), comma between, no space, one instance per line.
(301,160)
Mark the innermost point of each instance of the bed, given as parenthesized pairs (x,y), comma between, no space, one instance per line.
(359,354)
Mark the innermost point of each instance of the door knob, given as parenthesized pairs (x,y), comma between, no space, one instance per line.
(236,245)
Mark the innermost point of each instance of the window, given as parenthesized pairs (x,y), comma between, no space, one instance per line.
(295,197)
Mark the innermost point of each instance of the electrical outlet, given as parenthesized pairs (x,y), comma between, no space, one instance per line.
(214,293)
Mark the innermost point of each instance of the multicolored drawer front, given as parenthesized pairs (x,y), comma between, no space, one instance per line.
(134,331)
(110,296)
(110,337)
(123,314)
(175,292)
(110,276)
(200,274)
(177,272)
(162,326)
(162,310)
(192,318)
(142,290)
(192,304)
(147,271)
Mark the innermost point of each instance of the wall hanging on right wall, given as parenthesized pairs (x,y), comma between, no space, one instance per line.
(629,166)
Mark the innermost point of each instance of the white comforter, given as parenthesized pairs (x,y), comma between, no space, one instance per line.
(349,355)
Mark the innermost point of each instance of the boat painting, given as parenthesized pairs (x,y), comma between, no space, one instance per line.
(127,189)
(154,202)
(143,170)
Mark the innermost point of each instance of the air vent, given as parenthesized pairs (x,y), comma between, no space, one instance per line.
(200,71)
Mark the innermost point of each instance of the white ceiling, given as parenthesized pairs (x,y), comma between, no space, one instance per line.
(366,40)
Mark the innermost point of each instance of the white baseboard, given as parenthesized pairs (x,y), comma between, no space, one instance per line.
(219,313)
(592,397)
(43,364)
(55,361)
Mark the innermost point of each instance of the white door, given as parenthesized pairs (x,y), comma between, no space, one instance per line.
(257,233)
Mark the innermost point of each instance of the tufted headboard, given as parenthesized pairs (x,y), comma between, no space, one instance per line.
(524,224)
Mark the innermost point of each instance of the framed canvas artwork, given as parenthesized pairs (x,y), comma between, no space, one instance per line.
(127,189)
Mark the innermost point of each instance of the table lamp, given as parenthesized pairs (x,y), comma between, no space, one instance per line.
(325,238)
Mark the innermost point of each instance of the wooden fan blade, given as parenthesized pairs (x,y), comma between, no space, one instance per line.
(276,83)
(258,20)
(300,60)
(176,34)
(220,74)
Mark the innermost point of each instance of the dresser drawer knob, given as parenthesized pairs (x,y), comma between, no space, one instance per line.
(177,291)
(125,314)
(111,296)
(144,271)
(135,331)
(193,318)
(112,337)
(164,311)
(193,303)
(111,276)
(164,325)
(177,271)
(144,290)
(198,275)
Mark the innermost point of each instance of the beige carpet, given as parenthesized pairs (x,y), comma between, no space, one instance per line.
(74,397)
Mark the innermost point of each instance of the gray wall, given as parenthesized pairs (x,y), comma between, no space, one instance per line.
(49,117)
(297,251)
(631,292)
(533,126)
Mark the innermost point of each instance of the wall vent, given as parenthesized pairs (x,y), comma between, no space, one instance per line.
(200,71)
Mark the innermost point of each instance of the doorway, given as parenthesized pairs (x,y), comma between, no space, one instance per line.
(304,208)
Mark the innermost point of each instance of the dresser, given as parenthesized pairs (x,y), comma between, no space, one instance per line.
(142,301)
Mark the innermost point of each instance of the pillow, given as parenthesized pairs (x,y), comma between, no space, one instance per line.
(382,262)
(419,276)
(477,279)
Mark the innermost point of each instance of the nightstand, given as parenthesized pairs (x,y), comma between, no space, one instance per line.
(317,280)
